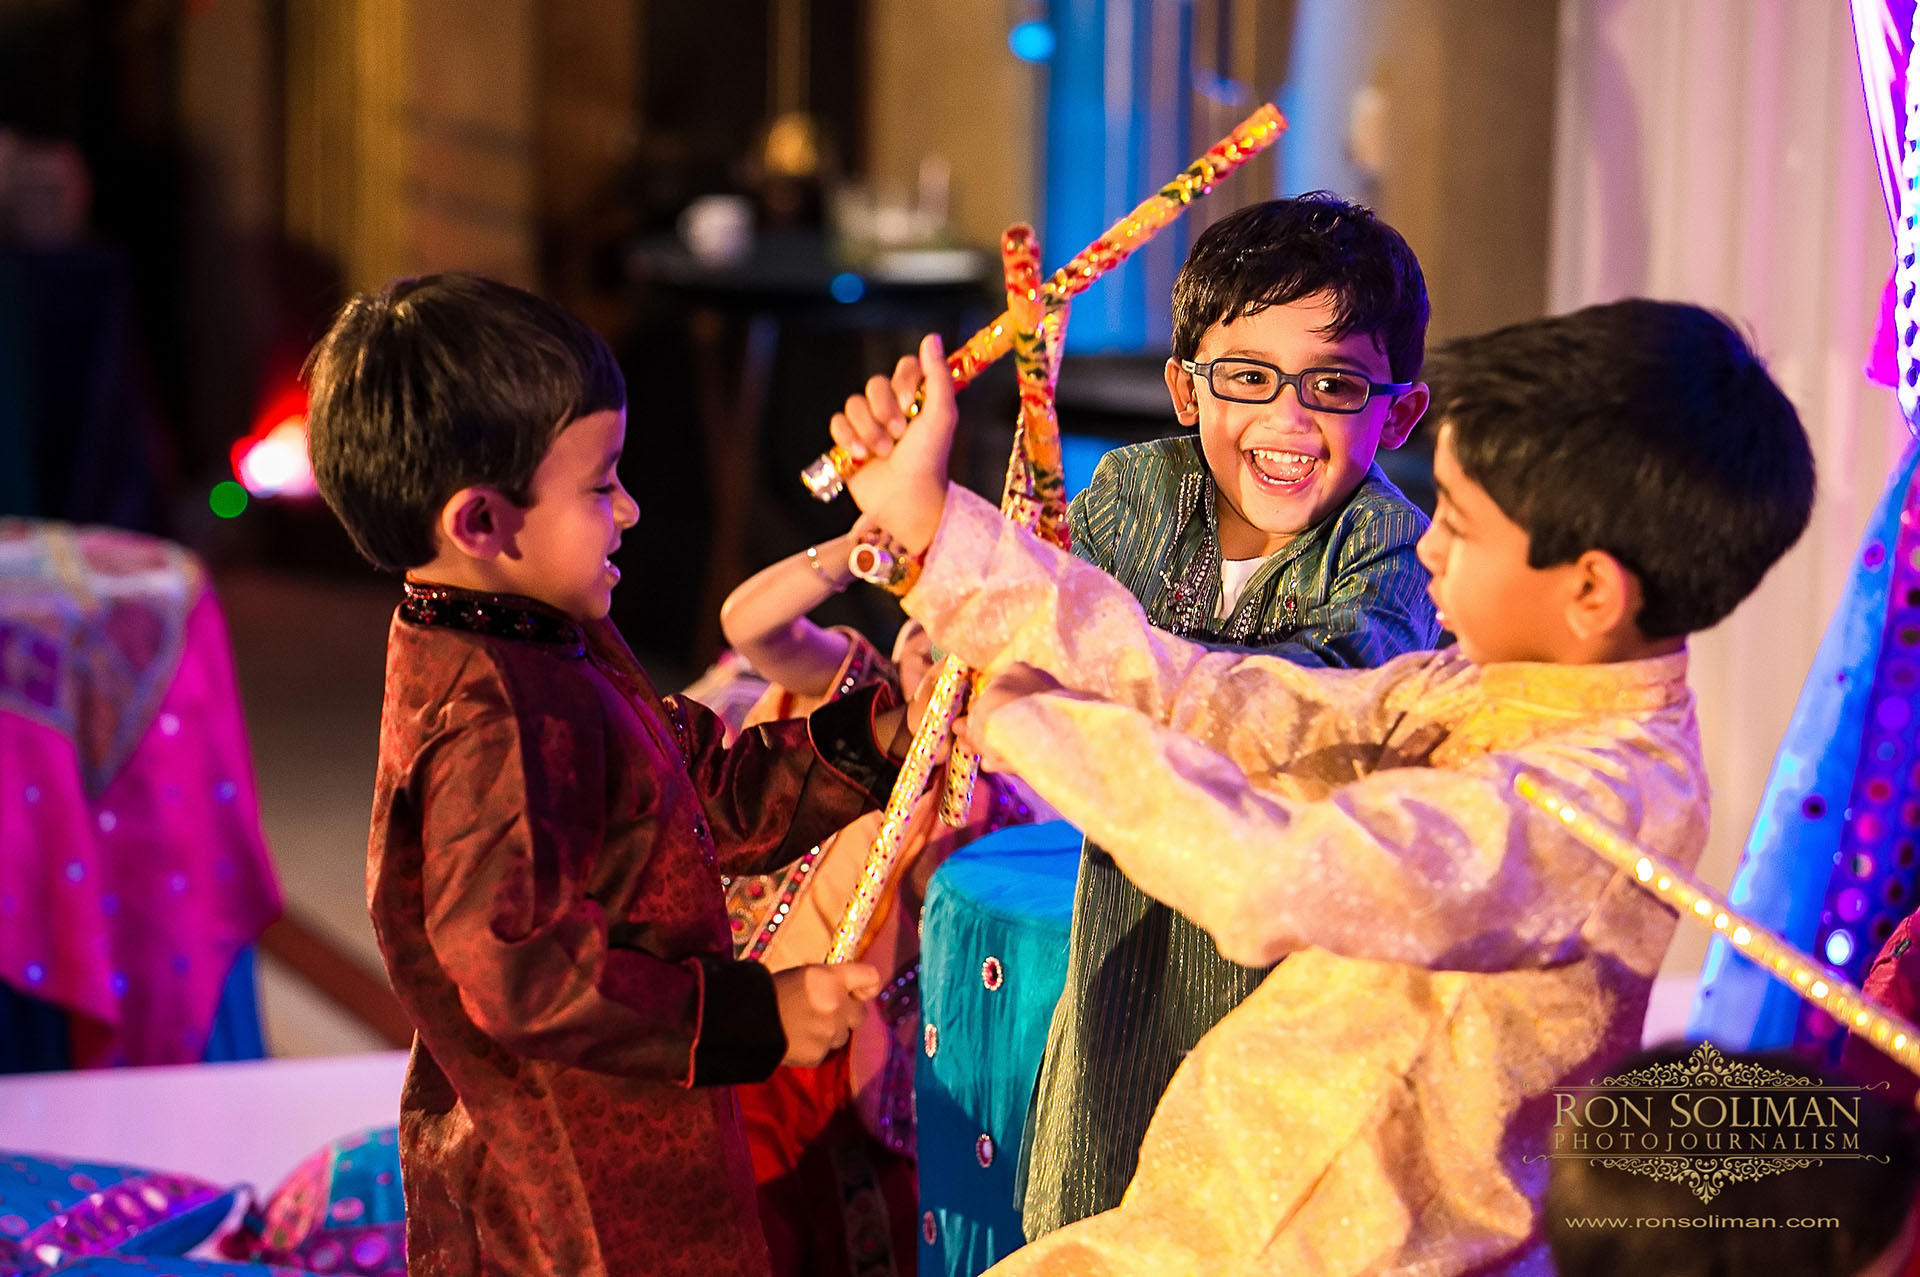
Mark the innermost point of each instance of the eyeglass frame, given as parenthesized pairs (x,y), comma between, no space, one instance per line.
(1392,389)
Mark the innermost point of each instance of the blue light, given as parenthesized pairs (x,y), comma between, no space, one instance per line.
(1031,42)
(1839,948)
(847,287)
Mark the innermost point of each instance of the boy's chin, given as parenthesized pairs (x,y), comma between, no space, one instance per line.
(583,611)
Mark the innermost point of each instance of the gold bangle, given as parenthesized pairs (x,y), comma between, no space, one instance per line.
(813,561)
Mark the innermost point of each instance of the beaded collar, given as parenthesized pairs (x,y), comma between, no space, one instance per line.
(501,616)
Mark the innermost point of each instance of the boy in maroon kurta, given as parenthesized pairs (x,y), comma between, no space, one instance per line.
(548,831)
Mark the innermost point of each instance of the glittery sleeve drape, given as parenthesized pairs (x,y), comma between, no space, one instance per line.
(1471,880)
(996,595)
(1277,807)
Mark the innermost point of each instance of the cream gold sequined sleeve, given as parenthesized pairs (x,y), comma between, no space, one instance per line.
(1418,865)
(994,594)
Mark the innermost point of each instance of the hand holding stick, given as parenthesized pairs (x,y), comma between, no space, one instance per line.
(826,475)
(1035,497)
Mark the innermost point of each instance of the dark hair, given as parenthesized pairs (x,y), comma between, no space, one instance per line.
(1282,251)
(1646,429)
(433,384)
(1602,1219)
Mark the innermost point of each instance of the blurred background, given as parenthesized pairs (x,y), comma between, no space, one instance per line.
(759,202)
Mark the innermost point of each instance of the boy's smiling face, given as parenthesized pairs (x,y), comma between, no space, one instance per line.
(1281,467)
(1498,607)
(561,551)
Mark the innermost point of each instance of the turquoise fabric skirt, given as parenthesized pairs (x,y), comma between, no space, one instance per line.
(993,962)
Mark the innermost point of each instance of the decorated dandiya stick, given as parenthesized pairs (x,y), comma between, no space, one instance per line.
(1893,1035)
(1020,267)
(963,773)
(949,693)
(1034,494)
(826,475)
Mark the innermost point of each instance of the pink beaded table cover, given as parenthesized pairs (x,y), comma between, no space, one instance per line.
(132,869)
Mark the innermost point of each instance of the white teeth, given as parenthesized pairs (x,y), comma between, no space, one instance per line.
(1282,466)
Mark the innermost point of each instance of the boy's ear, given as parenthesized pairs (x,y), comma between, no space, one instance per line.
(1186,402)
(1404,415)
(479,522)
(1606,597)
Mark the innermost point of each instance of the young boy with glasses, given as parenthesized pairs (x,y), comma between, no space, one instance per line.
(1299,326)
(1610,481)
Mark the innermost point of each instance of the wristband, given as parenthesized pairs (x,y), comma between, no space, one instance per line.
(886,566)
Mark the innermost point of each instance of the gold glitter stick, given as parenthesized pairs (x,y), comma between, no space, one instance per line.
(826,475)
(949,694)
(1681,891)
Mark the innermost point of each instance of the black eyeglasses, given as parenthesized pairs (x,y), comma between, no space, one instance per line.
(1321,389)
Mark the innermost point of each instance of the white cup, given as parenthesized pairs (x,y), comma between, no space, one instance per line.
(718,229)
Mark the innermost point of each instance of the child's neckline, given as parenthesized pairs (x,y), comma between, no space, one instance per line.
(512,617)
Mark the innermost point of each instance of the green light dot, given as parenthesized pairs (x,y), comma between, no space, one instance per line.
(227,499)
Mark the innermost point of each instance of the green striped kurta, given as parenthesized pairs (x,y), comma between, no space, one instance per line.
(1143,982)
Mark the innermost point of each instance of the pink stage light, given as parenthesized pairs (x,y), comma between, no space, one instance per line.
(272,460)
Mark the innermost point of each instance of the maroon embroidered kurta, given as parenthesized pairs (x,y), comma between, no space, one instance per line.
(543,875)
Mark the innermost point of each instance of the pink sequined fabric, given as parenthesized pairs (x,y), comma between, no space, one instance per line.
(134,869)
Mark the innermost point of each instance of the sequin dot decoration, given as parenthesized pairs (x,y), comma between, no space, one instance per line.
(1876,873)
(1906,244)
(983,1150)
(792,882)
(929,1228)
(992,974)
(930,1040)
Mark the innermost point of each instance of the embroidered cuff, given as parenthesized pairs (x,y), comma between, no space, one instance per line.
(841,732)
(740,1036)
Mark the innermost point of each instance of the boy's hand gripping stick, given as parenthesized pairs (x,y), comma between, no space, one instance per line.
(1034,479)
(1035,497)
(1035,493)
(826,476)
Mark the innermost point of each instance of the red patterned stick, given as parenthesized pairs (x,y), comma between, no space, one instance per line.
(1035,495)
(1020,264)
(826,475)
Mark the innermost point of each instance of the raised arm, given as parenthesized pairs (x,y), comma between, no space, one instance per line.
(782,787)
(994,593)
(765,618)
(1411,864)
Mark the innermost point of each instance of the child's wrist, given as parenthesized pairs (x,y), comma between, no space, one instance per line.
(837,578)
(918,519)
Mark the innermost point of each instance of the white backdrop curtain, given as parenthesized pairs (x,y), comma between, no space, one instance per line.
(1716,151)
